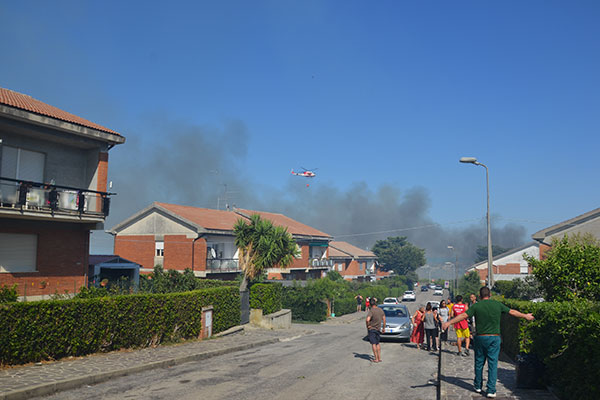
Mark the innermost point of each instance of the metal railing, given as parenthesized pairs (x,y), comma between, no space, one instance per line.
(43,197)
(222,265)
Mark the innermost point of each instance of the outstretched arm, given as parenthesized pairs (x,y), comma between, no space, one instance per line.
(454,320)
(518,314)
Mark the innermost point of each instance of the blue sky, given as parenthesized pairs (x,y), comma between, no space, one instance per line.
(373,93)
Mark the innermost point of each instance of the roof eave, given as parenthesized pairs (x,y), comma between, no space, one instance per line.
(69,127)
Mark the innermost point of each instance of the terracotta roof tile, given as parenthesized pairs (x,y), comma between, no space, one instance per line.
(294,227)
(345,249)
(24,102)
(225,220)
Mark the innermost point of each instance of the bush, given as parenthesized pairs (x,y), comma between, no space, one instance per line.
(305,307)
(345,305)
(46,330)
(565,337)
(266,296)
(8,294)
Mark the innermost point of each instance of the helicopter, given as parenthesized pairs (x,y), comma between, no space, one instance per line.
(305,173)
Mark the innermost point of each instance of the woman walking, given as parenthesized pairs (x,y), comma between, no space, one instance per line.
(430,324)
(418,332)
(443,314)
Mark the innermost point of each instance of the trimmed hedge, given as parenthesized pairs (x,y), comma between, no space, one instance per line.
(345,305)
(304,307)
(266,296)
(46,330)
(565,336)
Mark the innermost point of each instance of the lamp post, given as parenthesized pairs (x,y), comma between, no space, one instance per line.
(455,262)
(473,160)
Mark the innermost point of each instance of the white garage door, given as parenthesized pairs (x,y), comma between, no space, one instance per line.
(18,252)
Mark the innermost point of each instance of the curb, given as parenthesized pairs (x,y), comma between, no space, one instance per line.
(66,384)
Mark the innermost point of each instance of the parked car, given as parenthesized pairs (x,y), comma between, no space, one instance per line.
(432,286)
(397,321)
(409,295)
(424,288)
(390,300)
(438,292)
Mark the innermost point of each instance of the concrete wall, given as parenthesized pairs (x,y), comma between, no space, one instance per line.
(281,319)
(67,165)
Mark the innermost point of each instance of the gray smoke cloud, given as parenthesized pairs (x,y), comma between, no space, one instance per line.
(200,166)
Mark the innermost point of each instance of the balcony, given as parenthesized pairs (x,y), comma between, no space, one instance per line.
(34,199)
(320,262)
(222,265)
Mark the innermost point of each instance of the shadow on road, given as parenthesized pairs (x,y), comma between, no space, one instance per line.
(363,356)
(465,383)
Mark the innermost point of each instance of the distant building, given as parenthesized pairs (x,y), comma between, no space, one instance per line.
(179,237)
(509,265)
(354,263)
(53,191)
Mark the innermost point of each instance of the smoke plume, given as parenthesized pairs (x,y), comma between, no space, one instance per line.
(201,166)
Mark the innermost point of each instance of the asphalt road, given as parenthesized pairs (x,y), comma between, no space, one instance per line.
(332,363)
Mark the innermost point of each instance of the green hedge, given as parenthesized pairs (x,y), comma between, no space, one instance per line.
(345,305)
(304,306)
(565,336)
(45,330)
(266,296)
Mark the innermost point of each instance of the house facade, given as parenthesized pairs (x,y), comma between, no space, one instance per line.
(509,265)
(353,263)
(53,191)
(179,237)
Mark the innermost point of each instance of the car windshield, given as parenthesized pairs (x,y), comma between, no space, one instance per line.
(408,292)
(394,312)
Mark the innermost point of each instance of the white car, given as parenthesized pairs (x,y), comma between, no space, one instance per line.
(435,304)
(390,300)
(409,295)
(438,292)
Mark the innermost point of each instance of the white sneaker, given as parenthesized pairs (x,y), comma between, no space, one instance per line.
(491,395)
(478,390)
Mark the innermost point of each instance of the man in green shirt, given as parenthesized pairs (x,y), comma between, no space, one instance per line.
(487,312)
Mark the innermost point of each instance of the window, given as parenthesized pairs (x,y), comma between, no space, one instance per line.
(22,164)
(18,252)
(160,249)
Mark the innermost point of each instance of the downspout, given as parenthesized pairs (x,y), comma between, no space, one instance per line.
(194,248)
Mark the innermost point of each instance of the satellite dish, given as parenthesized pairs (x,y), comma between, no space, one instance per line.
(213,253)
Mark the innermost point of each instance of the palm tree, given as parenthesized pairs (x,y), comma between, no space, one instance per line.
(262,245)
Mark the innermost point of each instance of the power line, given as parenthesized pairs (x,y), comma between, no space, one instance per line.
(408,229)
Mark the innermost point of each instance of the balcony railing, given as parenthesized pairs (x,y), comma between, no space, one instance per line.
(27,195)
(320,262)
(222,265)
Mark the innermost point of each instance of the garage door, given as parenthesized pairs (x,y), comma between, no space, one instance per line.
(18,252)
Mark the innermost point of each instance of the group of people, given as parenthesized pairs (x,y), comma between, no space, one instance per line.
(359,301)
(427,323)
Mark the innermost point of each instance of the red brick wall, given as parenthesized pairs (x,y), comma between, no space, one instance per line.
(301,262)
(102,171)
(200,255)
(62,258)
(543,249)
(178,252)
(139,249)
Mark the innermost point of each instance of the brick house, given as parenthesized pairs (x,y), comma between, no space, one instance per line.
(53,191)
(582,224)
(354,263)
(509,265)
(179,237)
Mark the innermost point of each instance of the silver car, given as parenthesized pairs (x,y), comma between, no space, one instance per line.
(397,321)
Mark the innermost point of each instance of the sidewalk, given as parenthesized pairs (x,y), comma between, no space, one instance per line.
(457,373)
(24,382)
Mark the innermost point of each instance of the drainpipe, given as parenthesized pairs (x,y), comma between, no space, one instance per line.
(194,248)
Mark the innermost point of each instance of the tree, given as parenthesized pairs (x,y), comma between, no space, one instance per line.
(482,252)
(399,255)
(262,245)
(570,270)
(469,283)
(527,288)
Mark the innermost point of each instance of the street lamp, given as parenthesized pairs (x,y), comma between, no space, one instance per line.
(473,160)
(455,262)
